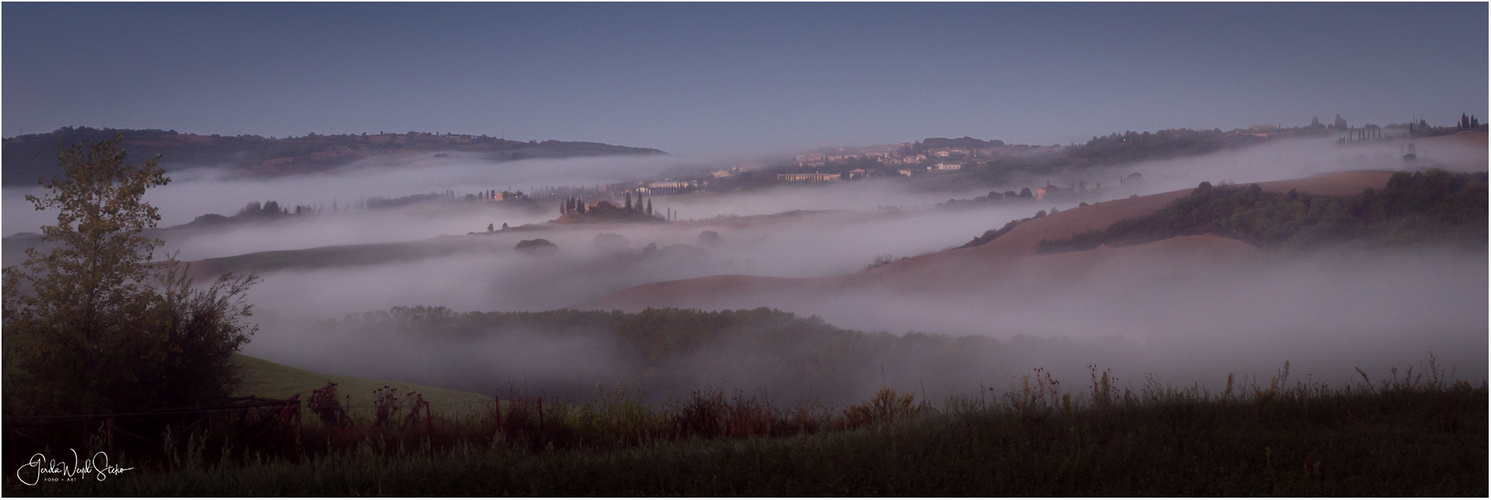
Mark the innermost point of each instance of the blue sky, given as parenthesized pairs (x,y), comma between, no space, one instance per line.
(734,78)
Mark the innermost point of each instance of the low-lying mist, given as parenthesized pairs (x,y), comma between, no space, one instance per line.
(1324,313)
(484,272)
(198,191)
(344,228)
(1290,159)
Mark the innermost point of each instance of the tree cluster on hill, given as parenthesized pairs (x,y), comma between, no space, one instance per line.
(1434,207)
(993,234)
(574,210)
(253,211)
(1135,146)
(961,142)
(1469,122)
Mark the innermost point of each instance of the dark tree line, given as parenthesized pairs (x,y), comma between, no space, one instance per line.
(1434,207)
(661,348)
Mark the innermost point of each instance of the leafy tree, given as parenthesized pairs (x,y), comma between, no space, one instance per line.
(710,239)
(94,325)
(537,247)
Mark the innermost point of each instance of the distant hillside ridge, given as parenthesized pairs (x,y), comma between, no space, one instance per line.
(29,158)
(1436,207)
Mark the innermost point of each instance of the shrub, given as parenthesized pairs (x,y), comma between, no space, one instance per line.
(536,247)
(324,405)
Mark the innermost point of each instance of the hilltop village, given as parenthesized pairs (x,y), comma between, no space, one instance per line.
(969,161)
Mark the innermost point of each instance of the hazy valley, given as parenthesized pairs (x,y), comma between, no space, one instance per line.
(1187,310)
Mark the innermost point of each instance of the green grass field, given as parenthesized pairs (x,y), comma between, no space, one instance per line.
(266,379)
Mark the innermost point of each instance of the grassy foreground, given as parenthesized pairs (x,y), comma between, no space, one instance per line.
(1399,438)
(267,379)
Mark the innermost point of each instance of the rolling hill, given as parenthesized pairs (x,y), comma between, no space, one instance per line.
(30,157)
(1010,258)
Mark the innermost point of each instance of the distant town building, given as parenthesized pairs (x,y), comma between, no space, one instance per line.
(668,184)
(813,177)
(811,160)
